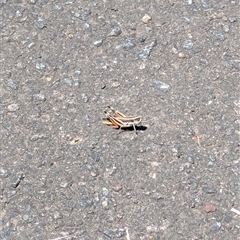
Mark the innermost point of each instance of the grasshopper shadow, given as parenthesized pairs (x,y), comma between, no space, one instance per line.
(141,128)
(138,128)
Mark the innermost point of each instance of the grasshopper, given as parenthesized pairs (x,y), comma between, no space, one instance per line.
(119,120)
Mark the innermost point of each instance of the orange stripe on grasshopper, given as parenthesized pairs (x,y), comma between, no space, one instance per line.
(110,122)
(114,123)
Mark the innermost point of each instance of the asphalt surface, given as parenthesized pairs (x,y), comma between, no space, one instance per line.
(66,175)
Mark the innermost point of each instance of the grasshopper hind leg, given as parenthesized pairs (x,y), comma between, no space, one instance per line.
(119,130)
(134,127)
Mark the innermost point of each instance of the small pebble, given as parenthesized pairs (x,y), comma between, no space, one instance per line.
(225,28)
(188,44)
(78,15)
(208,190)
(78,72)
(232,19)
(117,188)
(41,66)
(68,2)
(12,85)
(13,107)
(32,1)
(181,55)
(36,137)
(129,45)
(96,198)
(226,64)
(204,62)
(104,191)
(95,156)
(164,87)
(191,160)
(189,2)
(115,84)
(119,233)
(11,193)
(142,39)
(25,217)
(39,97)
(57,7)
(86,202)
(152,44)
(228,218)
(98,43)
(20,65)
(86,11)
(68,81)
(41,24)
(237,103)
(209,164)
(116,31)
(76,82)
(110,234)
(3,173)
(84,97)
(31,44)
(18,14)
(209,207)
(122,55)
(64,184)
(175,49)
(105,204)
(204,3)
(94,174)
(86,26)
(218,35)
(152,229)
(215,227)
(212,158)
(102,85)
(145,53)
(146,18)
(34,15)
(70,35)
(57,215)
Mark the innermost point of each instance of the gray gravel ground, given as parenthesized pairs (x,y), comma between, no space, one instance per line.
(65,175)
